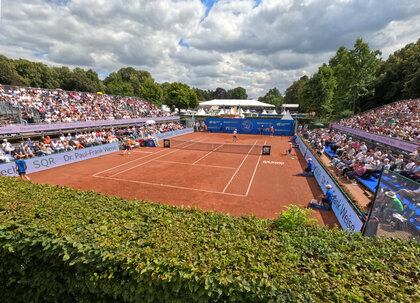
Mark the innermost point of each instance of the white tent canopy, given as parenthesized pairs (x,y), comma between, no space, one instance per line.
(235,102)
(287,116)
(201,112)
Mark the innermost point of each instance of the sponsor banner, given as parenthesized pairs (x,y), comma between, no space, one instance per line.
(55,160)
(250,126)
(71,125)
(407,146)
(344,211)
(174,133)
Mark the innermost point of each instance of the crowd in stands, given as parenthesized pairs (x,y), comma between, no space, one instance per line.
(66,142)
(55,106)
(354,158)
(400,120)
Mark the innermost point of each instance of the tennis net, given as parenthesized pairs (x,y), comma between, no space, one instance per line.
(252,149)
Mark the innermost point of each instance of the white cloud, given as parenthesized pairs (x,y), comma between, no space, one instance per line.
(236,44)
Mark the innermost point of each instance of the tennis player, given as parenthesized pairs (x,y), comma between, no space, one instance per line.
(234,135)
(271,130)
(127,146)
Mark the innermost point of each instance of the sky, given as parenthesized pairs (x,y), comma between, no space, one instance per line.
(254,44)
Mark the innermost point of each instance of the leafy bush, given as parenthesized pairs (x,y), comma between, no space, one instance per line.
(62,245)
(293,218)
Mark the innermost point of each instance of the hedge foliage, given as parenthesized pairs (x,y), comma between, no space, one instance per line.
(62,245)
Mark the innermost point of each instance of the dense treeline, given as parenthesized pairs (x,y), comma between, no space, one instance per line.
(353,80)
(358,79)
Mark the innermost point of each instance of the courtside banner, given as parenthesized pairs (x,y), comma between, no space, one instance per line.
(250,126)
(70,125)
(55,160)
(407,146)
(346,215)
(174,133)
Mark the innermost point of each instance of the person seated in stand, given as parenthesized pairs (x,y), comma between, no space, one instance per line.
(411,195)
(359,171)
(3,157)
(309,169)
(326,199)
(394,205)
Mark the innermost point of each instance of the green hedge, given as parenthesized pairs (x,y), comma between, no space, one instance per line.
(62,245)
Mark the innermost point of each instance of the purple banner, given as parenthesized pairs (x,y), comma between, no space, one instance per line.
(404,145)
(62,126)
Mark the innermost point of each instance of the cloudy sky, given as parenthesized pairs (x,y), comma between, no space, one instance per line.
(256,44)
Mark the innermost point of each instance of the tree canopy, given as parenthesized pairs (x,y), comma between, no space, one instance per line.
(180,96)
(273,96)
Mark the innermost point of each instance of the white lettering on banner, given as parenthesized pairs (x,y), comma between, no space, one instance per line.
(55,160)
(346,215)
(174,133)
(273,162)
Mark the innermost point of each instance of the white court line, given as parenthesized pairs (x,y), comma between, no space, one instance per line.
(172,186)
(255,170)
(139,151)
(239,166)
(196,164)
(125,163)
(208,153)
(141,164)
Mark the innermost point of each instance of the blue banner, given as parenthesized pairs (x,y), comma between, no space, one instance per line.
(250,126)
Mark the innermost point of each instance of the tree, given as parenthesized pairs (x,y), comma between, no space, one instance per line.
(273,96)
(202,95)
(8,74)
(151,91)
(340,66)
(292,92)
(116,86)
(180,96)
(81,80)
(362,63)
(238,93)
(220,93)
(326,85)
(397,77)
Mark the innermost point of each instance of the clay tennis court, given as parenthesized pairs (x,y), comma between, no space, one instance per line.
(236,183)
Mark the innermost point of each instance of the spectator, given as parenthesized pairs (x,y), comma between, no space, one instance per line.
(394,205)
(3,157)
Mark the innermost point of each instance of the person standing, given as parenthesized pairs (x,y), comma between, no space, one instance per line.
(21,168)
(271,130)
(127,146)
(234,135)
(290,148)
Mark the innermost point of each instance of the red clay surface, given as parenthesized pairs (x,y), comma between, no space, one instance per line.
(239,184)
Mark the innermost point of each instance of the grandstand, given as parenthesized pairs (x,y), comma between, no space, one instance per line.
(383,156)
